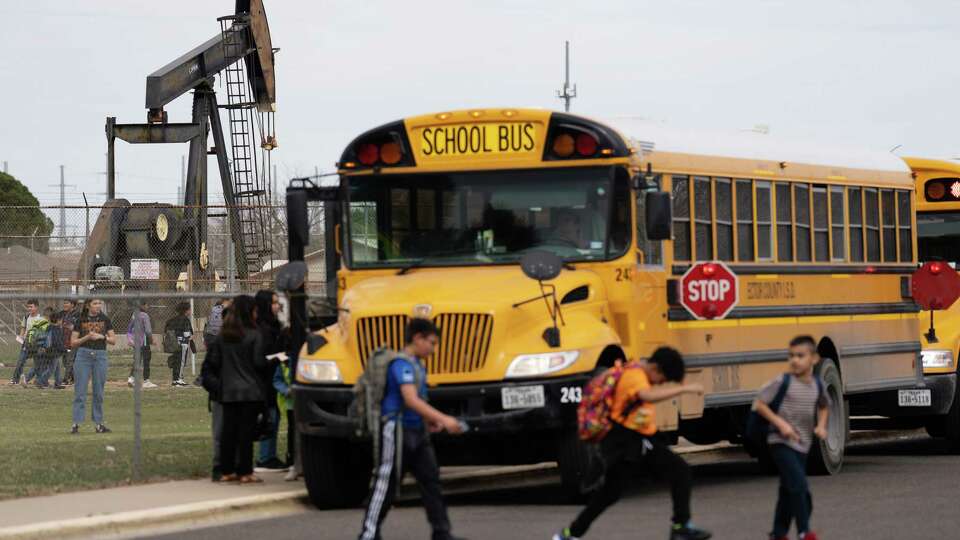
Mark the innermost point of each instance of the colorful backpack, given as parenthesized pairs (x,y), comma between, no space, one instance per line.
(593,413)
(38,336)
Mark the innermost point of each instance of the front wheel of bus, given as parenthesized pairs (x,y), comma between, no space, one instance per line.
(337,474)
(579,464)
(826,456)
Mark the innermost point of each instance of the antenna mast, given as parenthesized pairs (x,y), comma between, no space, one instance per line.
(568,92)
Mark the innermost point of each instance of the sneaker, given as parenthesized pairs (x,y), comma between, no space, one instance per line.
(58,387)
(291,475)
(689,532)
(215,474)
(102,429)
(130,381)
(809,535)
(180,383)
(564,535)
(23,381)
(74,429)
(148,384)
(271,465)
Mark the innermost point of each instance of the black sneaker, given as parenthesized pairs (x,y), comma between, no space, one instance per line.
(216,474)
(271,465)
(74,429)
(689,532)
(102,429)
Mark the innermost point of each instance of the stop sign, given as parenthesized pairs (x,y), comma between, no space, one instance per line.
(709,290)
(935,285)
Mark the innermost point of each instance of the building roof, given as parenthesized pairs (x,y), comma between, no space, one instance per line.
(21,263)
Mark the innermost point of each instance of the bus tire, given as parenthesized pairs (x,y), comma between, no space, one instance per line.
(826,456)
(580,465)
(335,473)
(951,425)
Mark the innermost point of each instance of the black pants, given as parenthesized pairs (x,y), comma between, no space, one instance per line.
(794,501)
(239,420)
(177,361)
(420,460)
(626,452)
(145,354)
(291,436)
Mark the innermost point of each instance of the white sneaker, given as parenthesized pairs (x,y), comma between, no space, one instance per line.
(291,475)
(130,382)
(148,384)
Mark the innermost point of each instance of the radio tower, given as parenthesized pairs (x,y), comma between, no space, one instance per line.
(568,92)
(63,210)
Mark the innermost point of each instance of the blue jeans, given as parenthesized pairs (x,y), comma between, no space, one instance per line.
(89,364)
(794,501)
(22,363)
(268,447)
(51,366)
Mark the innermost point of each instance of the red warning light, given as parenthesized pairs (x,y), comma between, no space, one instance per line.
(709,269)
(935,268)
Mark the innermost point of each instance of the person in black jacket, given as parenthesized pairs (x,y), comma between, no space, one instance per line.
(235,369)
(183,330)
(274,341)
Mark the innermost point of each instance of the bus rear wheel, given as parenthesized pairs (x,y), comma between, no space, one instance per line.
(337,473)
(826,455)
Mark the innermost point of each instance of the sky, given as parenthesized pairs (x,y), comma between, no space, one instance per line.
(873,74)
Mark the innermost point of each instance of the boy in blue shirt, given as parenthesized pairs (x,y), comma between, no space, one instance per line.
(406,420)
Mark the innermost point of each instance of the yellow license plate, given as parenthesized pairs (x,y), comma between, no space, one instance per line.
(507,139)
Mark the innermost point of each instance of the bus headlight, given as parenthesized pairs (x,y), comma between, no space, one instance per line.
(936,359)
(318,371)
(528,365)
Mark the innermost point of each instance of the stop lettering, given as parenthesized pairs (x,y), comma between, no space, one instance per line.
(709,290)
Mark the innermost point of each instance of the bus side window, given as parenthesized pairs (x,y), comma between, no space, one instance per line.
(745,220)
(871,214)
(904,214)
(702,218)
(821,232)
(681,218)
(784,223)
(724,202)
(889,216)
(801,197)
(764,221)
(837,214)
(855,204)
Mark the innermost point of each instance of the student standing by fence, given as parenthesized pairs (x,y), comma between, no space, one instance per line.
(92,335)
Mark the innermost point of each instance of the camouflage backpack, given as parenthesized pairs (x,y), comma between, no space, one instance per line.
(368,395)
(593,413)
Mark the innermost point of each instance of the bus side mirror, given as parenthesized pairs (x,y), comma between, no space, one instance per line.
(658,215)
(297,219)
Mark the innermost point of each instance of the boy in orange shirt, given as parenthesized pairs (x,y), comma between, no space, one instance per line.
(633,444)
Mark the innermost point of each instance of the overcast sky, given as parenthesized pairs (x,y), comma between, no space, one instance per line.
(875,74)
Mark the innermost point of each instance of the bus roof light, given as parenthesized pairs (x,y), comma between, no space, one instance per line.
(390,153)
(935,191)
(368,153)
(563,145)
(586,144)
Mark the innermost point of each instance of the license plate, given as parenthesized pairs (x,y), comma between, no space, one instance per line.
(914,398)
(522,397)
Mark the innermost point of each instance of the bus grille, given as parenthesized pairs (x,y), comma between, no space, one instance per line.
(464,340)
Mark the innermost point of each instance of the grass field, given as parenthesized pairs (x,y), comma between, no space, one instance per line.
(38,455)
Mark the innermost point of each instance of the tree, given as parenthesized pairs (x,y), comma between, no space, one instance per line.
(22,222)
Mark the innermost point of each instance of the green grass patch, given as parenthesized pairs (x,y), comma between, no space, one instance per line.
(39,456)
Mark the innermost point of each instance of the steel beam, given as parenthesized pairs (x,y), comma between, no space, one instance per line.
(187,72)
(155,133)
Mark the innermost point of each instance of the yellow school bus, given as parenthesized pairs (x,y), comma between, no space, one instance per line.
(938,238)
(438,210)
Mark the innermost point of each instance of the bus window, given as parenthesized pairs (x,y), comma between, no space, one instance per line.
(905,212)
(744,220)
(871,214)
(681,218)
(724,219)
(363,230)
(784,223)
(837,214)
(801,198)
(426,209)
(702,218)
(451,210)
(889,216)
(821,232)
(764,222)
(855,204)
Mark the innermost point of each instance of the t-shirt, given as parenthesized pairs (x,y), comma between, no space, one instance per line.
(799,409)
(626,411)
(29,320)
(403,371)
(98,323)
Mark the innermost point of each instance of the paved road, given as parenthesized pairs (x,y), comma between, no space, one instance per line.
(888,490)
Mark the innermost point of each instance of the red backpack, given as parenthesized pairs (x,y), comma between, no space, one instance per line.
(593,413)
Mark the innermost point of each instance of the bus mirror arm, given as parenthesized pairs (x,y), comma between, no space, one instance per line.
(548,292)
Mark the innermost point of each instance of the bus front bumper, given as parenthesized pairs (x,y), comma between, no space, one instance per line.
(322,410)
(942,386)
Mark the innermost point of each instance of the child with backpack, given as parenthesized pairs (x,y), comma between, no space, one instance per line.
(37,342)
(52,360)
(26,350)
(797,408)
(629,441)
(405,420)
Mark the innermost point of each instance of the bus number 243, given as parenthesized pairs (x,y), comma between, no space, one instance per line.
(571,394)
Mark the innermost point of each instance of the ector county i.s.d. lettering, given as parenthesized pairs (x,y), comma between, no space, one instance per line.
(478,139)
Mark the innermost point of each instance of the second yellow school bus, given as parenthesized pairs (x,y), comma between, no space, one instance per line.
(439,209)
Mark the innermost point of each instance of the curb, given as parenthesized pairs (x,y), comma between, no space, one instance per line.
(145,517)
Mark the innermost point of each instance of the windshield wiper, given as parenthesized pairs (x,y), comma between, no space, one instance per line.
(419,262)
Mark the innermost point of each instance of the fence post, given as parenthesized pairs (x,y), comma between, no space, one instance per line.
(138,335)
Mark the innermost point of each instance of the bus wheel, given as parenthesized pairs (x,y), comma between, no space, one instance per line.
(580,465)
(826,456)
(337,474)
(951,425)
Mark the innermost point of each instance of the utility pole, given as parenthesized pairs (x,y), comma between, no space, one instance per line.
(4,167)
(63,209)
(183,179)
(568,92)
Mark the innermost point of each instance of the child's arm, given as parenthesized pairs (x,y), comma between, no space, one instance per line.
(775,420)
(662,393)
(429,414)
(823,413)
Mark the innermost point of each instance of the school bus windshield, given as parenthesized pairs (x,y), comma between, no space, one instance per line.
(476,218)
(938,236)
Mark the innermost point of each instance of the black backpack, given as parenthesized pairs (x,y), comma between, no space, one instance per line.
(758,427)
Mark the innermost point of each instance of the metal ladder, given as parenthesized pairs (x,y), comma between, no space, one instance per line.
(249,191)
